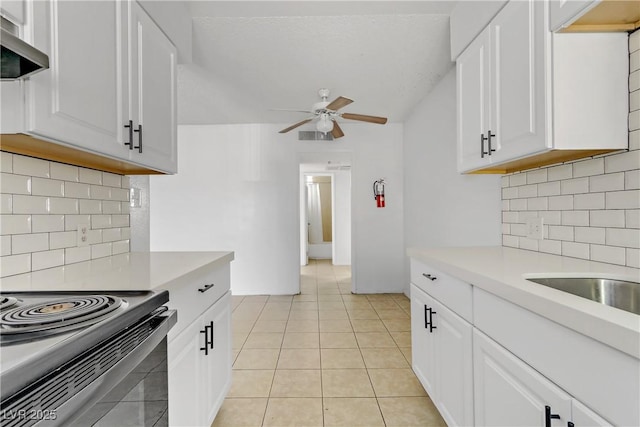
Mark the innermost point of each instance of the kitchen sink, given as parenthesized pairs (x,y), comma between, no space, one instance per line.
(620,294)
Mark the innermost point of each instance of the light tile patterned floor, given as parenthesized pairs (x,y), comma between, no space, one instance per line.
(325,357)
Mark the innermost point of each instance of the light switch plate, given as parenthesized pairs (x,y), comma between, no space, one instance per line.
(535,227)
(83,235)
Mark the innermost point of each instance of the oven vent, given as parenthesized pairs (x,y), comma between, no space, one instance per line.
(314,135)
(54,389)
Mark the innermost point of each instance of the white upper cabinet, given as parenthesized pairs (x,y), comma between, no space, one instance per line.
(562,13)
(78,101)
(111,82)
(152,100)
(528,97)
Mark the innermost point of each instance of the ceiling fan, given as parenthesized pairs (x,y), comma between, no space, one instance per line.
(325,114)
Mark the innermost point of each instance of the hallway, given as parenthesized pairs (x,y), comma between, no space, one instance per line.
(325,357)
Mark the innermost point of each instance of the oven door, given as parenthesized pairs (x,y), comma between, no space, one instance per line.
(121,381)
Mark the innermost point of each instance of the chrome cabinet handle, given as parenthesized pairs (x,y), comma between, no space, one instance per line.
(206,340)
(430,277)
(548,416)
(139,131)
(130,127)
(482,140)
(211,340)
(205,288)
(489,136)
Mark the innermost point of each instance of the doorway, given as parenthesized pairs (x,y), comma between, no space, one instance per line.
(319,216)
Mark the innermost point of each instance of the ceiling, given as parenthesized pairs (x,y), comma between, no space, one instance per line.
(250,57)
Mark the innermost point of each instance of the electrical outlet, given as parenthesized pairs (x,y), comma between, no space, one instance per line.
(83,234)
(535,227)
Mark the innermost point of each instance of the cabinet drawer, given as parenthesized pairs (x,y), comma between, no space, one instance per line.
(453,293)
(195,293)
(601,377)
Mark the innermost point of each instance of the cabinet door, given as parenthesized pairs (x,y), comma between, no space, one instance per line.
(153,92)
(78,100)
(518,97)
(185,374)
(473,102)
(562,13)
(507,392)
(585,417)
(422,340)
(454,361)
(217,372)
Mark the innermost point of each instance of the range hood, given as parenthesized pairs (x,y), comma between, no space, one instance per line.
(19,59)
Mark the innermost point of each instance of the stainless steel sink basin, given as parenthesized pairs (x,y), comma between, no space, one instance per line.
(614,293)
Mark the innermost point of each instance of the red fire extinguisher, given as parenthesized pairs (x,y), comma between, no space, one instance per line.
(378,192)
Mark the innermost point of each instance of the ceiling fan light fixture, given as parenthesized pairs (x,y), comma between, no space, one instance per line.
(325,124)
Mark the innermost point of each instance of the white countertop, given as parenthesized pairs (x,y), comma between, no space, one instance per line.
(502,271)
(125,272)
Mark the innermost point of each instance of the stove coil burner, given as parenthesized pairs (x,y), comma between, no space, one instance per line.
(58,313)
(7,302)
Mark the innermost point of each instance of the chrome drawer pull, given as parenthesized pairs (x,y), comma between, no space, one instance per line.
(206,288)
(430,277)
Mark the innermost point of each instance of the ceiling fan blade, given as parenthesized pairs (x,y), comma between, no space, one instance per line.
(338,103)
(294,111)
(337,131)
(295,126)
(364,118)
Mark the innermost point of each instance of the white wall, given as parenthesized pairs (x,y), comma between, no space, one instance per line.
(442,207)
(237,189)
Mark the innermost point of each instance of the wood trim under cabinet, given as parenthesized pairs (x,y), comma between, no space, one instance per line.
(544,159)
(608,16)
(29,146)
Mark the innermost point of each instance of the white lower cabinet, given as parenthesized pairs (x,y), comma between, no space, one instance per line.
(442,357)
(200,367)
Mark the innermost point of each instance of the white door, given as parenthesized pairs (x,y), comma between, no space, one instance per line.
(508,392)
(78,100)
(153,93)
(562,13)
(473,102)
(518,51)
(454,366)
(423,339)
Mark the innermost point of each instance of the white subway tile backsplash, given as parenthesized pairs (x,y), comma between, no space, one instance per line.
(634,82)
(47,187)
(65,239)
(504,181)
(509,217)
(90,206)
(15,224)
(518,179)
(607,218)
(634,100)
(29,204)
(561,232)
(590,235)
(518,205)
(560,203)
(47,259)
(574,186)
(23,165)
(528,244)
(528,191)
(634,140)
(5,245)
(90,176)
(609,182)
(6,203)
(588,167)
(77,254)
(537,176)
(510,241)
(6,162)
(557,173)
(15,264)
(42,203)
(610,254)
(622,162)
(538,203)
(15,184)
(47,223)
(580,218)
(634,42)
(633,258)
(634,120)
(632,180)
(552,217)
(632,218)
(27,243)
(626,237)
(60,205)
(549,188)
(510,193)
(64,172)
(76,190)
(628,199)
(111,180)
(575,250)
(588,201)
(550,246)
(518,229)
